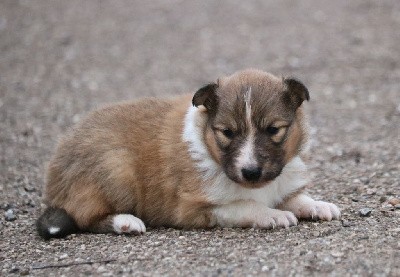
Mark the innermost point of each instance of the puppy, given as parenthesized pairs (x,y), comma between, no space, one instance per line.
(229,156)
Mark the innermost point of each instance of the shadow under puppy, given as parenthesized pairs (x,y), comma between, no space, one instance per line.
(230,157)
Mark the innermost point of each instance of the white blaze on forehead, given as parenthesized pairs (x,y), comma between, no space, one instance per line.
(247,99)
(246,156)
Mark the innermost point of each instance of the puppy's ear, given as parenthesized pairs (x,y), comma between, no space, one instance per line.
(206,96)
(295,92)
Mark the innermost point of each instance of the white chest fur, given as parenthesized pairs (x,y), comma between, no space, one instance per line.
(219,189)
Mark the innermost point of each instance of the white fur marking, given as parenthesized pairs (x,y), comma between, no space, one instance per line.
(54,230)
(127,223)
(224,191)
(304,206)
(247,99)
(246,157)
(192,134)
(252,214)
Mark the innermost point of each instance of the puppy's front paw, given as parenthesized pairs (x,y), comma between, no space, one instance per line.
(318,210)
(128,224)
(273,218)
(304,206)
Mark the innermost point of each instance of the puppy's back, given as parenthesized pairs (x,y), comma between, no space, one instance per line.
(99,157)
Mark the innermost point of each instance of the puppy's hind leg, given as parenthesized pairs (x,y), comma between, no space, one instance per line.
(120,224)
(93,212)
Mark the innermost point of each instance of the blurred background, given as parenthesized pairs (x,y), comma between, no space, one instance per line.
(61,59)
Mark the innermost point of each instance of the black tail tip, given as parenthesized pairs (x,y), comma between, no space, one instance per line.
(55,223)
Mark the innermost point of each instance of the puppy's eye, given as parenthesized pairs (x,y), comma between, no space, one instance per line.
(272,130)
(228,133)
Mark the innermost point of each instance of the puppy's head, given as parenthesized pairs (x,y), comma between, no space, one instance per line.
(254,124)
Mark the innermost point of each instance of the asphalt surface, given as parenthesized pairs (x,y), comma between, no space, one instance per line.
(61,59)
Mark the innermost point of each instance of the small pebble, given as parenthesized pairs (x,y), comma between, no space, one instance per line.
(24,272)
(364,212)
(383,199)
(397,206)
(14,270)
(9,215)
(359,190)
(63,256)
(337,254)
(394,201)
(7,206)
(31,203)
(346,223)
(29,188)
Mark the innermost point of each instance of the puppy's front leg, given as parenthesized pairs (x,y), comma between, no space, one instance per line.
(304,206)
(252,214)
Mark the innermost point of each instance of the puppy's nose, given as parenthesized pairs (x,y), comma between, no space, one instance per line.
(251,174)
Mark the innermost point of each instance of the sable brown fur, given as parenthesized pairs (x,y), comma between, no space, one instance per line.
(122,159)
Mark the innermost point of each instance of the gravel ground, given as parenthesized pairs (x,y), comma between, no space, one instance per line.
(60,59)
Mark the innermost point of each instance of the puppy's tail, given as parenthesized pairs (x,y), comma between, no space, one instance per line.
(55,223)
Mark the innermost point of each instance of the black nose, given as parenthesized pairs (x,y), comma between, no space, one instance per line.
(251,174)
